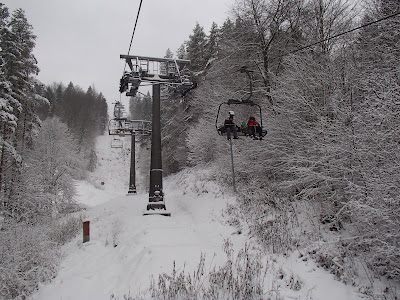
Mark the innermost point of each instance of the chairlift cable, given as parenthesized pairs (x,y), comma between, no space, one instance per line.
(318,42)
(337,35)
(133,32)
(222,75)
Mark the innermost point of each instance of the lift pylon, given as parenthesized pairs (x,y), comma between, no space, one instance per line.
(121,126)
(173,73)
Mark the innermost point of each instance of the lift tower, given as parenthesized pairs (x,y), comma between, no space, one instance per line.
(121,126)
(173,73)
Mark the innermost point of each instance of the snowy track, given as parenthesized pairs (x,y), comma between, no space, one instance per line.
(126,248)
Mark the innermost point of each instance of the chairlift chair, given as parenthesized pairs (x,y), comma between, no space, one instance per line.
(119,111)
(227,107)
(116,143)
(119,127)
(247,102)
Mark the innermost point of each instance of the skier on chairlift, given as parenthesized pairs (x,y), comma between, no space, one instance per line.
(230,126)
(253,128)
(243,128)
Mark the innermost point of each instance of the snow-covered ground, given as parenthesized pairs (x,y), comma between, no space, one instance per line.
(126,248)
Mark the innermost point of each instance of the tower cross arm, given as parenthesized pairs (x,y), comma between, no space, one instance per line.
(155,59)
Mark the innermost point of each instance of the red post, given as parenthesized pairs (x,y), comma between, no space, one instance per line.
(86,231)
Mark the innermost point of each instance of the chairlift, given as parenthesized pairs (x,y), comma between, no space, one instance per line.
(243,115)
(119,127)
(129,127)
(119,111)
(116,143)
(233,103)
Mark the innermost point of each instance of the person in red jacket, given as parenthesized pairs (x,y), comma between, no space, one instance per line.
(253,128)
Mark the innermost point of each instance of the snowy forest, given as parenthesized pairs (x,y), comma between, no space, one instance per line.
(324,181)
(327,174)
(46,142)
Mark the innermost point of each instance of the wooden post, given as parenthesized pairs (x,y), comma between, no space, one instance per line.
(86,231)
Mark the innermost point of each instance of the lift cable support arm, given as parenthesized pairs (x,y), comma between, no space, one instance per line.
(174,73)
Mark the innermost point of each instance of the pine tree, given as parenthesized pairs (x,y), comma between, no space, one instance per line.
(196,48)
(18,70)
(21,71)
(181,52)
(9,106)
(102,113)
(168,54)
(147,107)
(164,66)
(212,44)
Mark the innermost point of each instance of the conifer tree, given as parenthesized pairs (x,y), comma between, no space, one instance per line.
(212,43)
(196,48)
(18,69)
(163,65)
(8,104)
(102,112)
(181,52)
(168,54)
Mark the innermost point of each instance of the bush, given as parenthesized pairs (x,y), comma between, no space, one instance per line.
(30,255)
(240,278)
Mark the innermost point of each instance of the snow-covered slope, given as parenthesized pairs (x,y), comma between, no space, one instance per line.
(126,248)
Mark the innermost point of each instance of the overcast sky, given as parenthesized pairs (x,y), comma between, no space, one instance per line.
(81,40)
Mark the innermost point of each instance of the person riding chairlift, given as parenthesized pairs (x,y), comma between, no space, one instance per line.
(230,126)
(254,127)
(243,128)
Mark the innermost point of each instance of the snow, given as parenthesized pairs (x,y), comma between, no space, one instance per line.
(126,248)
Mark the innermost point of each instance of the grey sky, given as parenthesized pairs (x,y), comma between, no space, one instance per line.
(81,40)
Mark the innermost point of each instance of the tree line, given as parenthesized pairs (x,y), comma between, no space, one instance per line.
(330,161)
(47,138)
(47,133)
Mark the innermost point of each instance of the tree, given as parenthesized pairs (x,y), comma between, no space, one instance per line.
(328,18)
(19,93)
(168,54)
(102,113)
(212,44)
(8,104)
(374,123)
(196,48)
(181,52)
(140,107)
(164,65)
(46,186)
(20,71)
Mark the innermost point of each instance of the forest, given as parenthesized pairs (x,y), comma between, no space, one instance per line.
(47,135)
(326,178)
(324,181)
